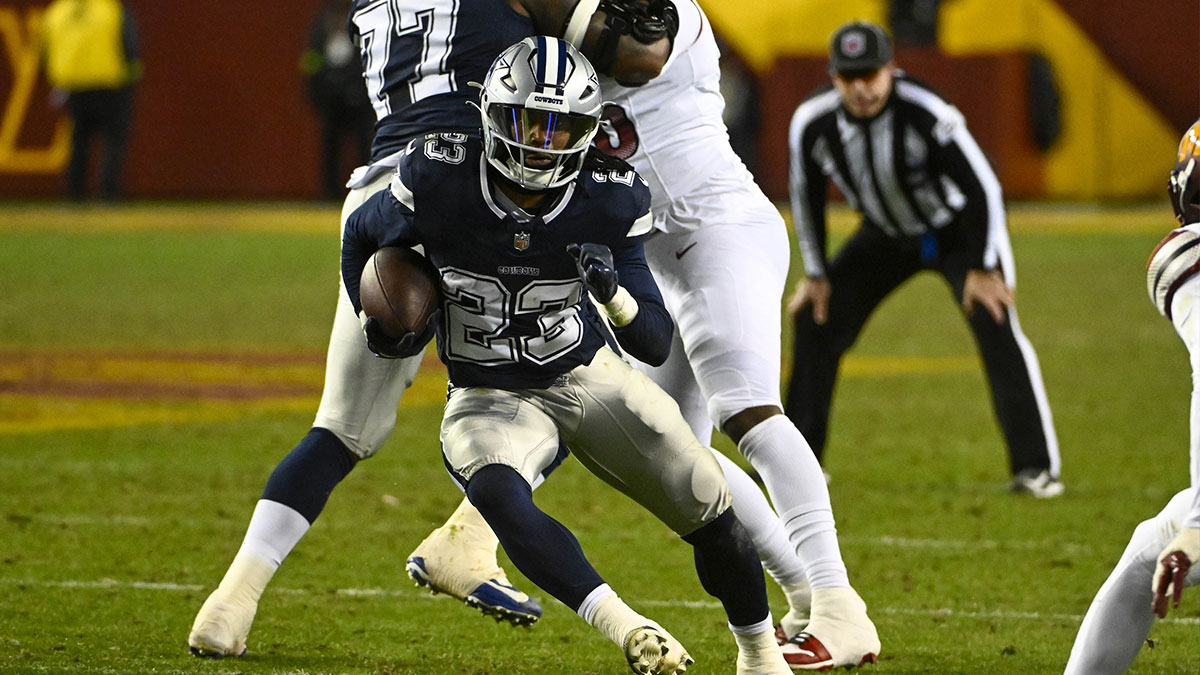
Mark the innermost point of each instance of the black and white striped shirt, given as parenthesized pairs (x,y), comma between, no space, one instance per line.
(911,169)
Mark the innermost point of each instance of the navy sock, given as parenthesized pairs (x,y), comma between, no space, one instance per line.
(729,570)
(541,547)
(304,478)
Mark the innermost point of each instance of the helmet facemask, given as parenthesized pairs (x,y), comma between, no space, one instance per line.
(540,108)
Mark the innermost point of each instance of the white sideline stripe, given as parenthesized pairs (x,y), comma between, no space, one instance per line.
(944,612)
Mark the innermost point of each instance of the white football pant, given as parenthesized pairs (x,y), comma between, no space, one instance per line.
(618,424)
(721,261)
(362,391)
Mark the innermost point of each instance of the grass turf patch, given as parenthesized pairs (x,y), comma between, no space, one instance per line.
(112,534)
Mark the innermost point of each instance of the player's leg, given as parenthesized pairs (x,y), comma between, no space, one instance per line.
(676,378)
(1119,618)
(865,270)
(356,414)
(725,296)
(628,432)
(496,444)
(1018,393)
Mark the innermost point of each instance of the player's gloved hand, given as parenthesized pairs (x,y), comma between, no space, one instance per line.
(1172,568)
(410,344)
(595,265)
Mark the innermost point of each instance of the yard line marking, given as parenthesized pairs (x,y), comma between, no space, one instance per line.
(964,544)
(417,592)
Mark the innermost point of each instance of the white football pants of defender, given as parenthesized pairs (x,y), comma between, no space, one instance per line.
(721,260)
(618,424)
(1118,621)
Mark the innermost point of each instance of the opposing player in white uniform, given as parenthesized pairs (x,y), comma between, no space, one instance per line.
(720,256)
(1161,555)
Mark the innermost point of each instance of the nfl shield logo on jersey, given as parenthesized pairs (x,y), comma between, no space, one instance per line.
(521,241)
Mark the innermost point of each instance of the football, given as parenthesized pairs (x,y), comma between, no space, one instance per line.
(400,289)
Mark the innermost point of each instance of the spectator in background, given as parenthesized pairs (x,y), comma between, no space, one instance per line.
(339,93)
(90,51)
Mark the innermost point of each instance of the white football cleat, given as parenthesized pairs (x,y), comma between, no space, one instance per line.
(221,626)
(650,650)
(799,596)
(840,634)
(1036,482)
(450,562)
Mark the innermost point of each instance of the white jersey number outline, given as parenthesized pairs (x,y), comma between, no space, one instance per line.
(381,22)
(479,309)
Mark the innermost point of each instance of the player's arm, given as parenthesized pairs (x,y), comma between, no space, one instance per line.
(621,282)
(382,220)
(1178,557)
(628,40)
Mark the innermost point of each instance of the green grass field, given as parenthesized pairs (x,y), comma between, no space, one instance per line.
(156,362)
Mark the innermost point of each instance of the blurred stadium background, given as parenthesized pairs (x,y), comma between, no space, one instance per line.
(1071,99)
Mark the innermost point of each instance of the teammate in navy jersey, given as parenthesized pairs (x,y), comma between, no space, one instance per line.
(521,225)
(417,57)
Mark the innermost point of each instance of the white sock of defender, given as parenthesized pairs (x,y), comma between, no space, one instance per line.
(763,525)
(778,451)
(607,613)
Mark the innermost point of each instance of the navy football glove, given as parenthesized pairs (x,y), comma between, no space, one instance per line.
(595,265)
(410,344)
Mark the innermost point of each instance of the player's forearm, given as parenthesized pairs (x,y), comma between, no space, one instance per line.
(630,47)
(367,230)
(647,337)
(356,252)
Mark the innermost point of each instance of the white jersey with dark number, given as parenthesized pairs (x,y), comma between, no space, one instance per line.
(671,129)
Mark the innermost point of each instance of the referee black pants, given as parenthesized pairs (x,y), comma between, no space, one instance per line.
(866,269)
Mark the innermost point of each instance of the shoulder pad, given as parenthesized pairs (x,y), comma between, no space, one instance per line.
(1175,260)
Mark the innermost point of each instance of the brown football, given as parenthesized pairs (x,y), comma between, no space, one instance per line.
(400,289)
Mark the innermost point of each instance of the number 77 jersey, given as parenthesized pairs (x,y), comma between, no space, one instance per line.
(418,57)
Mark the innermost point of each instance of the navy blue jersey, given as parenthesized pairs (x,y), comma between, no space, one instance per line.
(515,314)
(418,57)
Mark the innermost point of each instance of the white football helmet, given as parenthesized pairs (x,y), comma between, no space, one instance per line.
(540,107)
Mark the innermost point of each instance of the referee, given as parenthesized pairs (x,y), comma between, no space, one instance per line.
(903,158)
